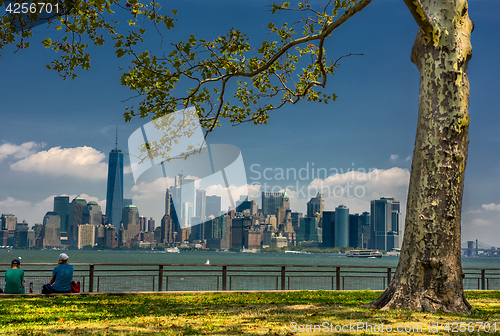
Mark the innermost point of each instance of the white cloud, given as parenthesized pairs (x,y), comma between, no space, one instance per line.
(19,151)
(81,162)
(394,156)
(491,207)
(408,158)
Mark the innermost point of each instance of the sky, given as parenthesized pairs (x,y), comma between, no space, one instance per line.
(55,135)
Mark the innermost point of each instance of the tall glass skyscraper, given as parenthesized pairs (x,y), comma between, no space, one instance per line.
(114,196)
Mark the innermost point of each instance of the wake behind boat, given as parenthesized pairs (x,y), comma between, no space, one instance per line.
(364,254)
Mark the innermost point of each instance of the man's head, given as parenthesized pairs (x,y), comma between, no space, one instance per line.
(63,258)
(15,263)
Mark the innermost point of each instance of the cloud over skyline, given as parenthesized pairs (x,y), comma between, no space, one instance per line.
(80,162)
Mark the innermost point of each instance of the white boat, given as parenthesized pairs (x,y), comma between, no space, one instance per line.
(172,250)
(297,252)
(364,254)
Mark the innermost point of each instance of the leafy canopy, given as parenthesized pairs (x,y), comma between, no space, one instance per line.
(228,77)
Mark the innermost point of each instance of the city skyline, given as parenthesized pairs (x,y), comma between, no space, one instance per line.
(55,141)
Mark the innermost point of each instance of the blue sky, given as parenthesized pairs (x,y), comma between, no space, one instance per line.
(55,135)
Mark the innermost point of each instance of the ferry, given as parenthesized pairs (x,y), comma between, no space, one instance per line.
(297,252)
(364,254)
(172,250)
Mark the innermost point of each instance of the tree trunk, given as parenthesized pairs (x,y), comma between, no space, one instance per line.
(429,276)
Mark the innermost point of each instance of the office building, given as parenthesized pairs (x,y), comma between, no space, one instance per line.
(77,206)
(213,206)
(114,194)
(316,206)
(62,208)
(21,234)
(130,219)
(341,225)
(151,224)
(355,230)
(201,205)
(51,229)
(309,230)
(92,214)
(167,231)
(271,201)
(328,228)
(86,235)
(9,222)
(385,223)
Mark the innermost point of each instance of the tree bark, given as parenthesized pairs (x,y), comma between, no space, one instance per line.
(429,275)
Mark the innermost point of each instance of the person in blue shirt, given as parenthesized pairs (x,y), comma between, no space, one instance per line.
(62,275)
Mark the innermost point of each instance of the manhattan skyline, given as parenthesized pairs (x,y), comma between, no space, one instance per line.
(56,135)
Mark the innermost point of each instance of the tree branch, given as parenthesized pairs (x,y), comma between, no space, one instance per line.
(327,30)
(420,15)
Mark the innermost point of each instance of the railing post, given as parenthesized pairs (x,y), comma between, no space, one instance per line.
(224,274)
(338,278)
(388,276)
(91,278)
(160,278)
(483,279)
(282,277)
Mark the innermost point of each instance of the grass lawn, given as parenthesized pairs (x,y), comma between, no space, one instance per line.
(232,313)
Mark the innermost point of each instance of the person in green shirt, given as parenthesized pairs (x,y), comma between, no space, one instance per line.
(14,279)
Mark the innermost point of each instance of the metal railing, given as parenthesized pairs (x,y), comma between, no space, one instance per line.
(193,277)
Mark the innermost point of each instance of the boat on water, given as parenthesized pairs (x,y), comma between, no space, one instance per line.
(172,250)
(297,252)
(364,254)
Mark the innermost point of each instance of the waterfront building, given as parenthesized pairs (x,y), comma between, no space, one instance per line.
(385,223)
(151,224)
(110,236)
(51,229)
(86,235)
(341,225)
(366,233)
(225,224)
(316,206)
(251,206)
(127,201)
(92,214)
(21,234)
(239,226)
(271,201)
(4,235)
(309,230)
(201,205)
(114,194)
(62,208)
(213,206)
(130,219)
(328,228)
(9,222)
(355,230)
(167,231)
(77,206)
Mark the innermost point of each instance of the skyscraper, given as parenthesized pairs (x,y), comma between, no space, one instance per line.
(213,206)
(341,225)
(61,207)
(77,206)
(271,201)
(316,205)
(385,223)
(114,195)
(52,229)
